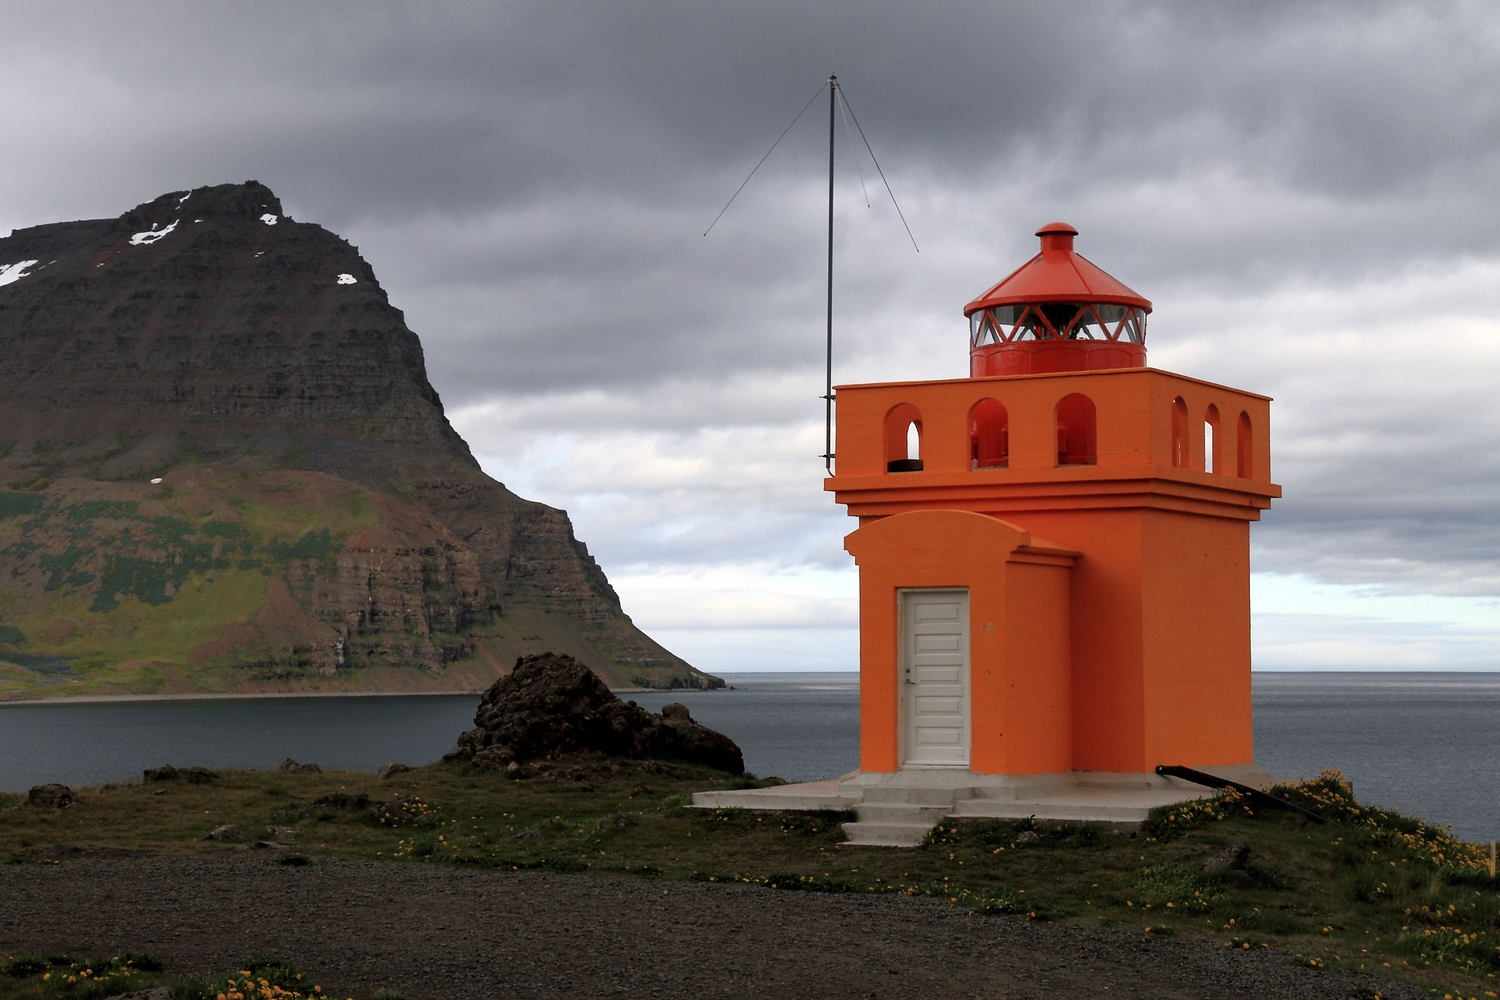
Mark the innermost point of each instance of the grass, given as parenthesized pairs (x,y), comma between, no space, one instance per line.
(45,977)
(1372,890)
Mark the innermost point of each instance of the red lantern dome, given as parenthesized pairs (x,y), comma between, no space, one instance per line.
(1056,313)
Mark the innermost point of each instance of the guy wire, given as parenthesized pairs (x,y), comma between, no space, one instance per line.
(768,153)
(882,172)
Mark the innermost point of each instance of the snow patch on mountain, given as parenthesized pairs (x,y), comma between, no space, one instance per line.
(151,235)
(14,272)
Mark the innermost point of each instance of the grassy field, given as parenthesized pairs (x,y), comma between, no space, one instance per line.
(1370,890)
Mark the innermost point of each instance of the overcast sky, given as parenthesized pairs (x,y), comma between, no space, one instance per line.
(1309,193)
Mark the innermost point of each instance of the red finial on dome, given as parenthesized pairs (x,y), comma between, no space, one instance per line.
(1056,313)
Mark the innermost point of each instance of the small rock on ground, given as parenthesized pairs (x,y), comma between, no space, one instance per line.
(614,821)
(1235,856)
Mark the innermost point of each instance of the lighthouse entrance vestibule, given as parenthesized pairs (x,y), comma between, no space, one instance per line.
(934,666)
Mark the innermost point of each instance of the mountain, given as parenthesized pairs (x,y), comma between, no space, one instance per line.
(223,468)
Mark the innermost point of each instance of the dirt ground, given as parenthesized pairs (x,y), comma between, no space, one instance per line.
(433,932)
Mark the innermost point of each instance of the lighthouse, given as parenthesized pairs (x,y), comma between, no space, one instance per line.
(1054,567)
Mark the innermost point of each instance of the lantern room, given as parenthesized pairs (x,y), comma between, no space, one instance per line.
(1058,312)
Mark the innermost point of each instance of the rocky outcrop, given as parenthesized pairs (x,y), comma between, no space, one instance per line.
(292,767)
(50,796)
(192,775)
(204,343)
(552,705)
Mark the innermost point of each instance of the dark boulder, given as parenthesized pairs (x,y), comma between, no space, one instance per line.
(50,796)
(325,805)
(552,705)
(679,736)
(292,767)
(192,775)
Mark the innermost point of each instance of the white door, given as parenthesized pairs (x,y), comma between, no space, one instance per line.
(935,677)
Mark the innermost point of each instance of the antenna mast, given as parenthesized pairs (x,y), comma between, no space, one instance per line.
(833,94)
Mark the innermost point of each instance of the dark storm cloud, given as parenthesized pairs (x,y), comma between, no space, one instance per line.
(531,181)
(410,108)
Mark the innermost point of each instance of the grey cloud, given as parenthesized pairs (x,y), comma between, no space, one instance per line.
(1346,97)
(531,181)
(1335,642)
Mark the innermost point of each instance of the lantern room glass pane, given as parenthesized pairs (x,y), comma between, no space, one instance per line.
(1006,315)
(987,334)
(1088,327)
(1060,316)
(1030,327)
(1114,319)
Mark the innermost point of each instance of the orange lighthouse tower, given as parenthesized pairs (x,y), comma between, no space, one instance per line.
(1054,553)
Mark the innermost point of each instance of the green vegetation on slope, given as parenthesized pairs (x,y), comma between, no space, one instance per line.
(107,590)
(1373,890)
(230,580)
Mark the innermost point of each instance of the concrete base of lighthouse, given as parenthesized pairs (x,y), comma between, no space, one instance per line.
(900,808)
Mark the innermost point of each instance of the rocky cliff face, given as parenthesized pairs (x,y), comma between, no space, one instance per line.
(331,527)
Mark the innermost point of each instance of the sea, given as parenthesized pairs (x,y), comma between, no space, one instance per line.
(1427,744)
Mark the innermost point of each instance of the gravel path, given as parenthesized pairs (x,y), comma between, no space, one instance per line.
(433,932)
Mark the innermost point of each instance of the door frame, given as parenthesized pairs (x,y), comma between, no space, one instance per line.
(903,700)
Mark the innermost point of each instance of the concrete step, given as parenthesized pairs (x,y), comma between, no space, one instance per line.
(759,799)
(887,834)
(889,812)
(914,795)
(894,824)
(1024,789)
(1063,812)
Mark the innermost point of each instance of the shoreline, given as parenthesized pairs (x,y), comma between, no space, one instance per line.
(622,692)
(101,699)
